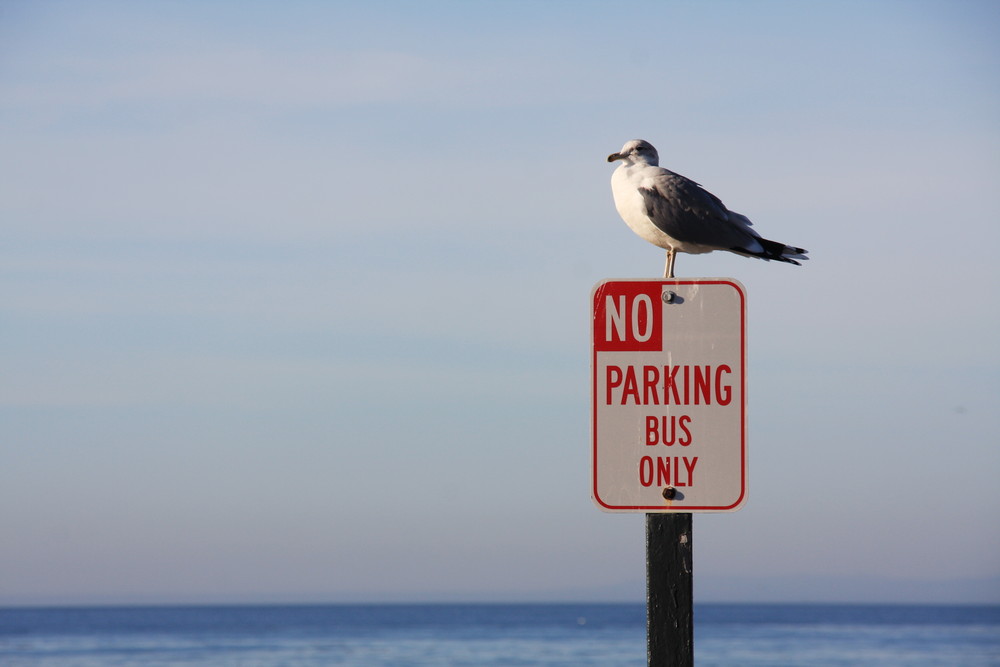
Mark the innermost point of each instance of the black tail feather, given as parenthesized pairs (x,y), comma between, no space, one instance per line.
(779,252)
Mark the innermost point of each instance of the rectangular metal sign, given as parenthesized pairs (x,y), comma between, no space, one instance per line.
(669,409)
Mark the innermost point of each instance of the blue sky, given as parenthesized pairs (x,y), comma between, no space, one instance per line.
(295,298)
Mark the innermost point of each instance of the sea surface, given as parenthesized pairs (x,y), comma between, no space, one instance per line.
(498,635)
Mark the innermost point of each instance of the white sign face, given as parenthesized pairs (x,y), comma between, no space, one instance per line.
(669,395)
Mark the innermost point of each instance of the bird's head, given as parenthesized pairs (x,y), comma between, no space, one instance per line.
(637,151)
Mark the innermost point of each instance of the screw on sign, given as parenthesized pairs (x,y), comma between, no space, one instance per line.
(669,395)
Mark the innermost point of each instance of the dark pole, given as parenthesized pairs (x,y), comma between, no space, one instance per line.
(669,591)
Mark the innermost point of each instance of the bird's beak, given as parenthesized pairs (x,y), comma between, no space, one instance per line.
(615,156)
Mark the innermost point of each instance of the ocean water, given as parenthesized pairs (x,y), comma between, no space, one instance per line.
(497,635)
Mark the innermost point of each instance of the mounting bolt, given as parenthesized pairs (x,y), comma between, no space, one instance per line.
(668,296)
(669,492)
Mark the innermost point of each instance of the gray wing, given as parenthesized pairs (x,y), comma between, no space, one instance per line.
(687,212)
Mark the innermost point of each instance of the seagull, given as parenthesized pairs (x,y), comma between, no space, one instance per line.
(675,213)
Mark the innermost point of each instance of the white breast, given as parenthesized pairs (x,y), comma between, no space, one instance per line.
(632,208)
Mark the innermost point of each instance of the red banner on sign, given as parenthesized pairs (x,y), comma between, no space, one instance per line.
(628,317)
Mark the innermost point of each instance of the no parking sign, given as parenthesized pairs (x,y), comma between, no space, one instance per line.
(669,395)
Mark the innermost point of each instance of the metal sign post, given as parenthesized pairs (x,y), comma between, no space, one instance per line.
(669,427)
(669,590)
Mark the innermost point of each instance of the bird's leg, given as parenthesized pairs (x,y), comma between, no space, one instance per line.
(668,270)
